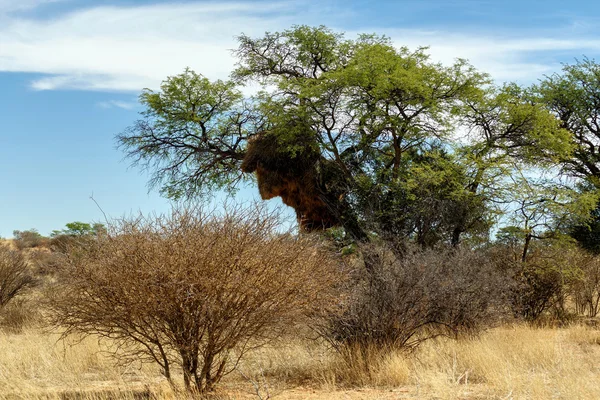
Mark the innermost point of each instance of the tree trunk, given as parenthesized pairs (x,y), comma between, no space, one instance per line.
(342,211)
(455,241)
(526,247)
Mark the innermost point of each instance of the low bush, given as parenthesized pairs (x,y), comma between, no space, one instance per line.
(401,295)
(15,276)
(193,289)
(28,239)
(554,284)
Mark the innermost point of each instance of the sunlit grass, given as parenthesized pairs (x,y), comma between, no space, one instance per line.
(516,362)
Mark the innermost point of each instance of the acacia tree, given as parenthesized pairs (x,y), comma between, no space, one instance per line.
(544,210)
(337,130)
(79,229)
(573,96)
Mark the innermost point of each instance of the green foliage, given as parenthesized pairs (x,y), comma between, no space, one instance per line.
(429,202)
(573,97)
(508,122)
(587,234)
(191,134)
(373,127)
(78,228)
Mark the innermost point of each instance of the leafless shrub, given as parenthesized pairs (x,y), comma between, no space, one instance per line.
(193,289)
(586,287)
(545,281)
(402,295)
(14,275)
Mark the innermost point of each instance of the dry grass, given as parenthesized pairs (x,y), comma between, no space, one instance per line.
(35,364)
(505,363)
(518,362)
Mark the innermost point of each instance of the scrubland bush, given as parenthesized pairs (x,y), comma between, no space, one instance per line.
(540,287)
(76,234)
(558,282)
(555,282)
(401,295)
(28,239)
(585,289)
(193,289)
(15,277)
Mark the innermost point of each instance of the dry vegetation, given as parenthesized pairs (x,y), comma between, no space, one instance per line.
(242,311)
(192,289)
(516,362)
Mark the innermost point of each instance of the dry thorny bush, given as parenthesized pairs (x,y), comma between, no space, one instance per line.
(194,289)
(15,276)
(401,295)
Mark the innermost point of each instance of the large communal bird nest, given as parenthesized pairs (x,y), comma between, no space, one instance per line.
(293,175)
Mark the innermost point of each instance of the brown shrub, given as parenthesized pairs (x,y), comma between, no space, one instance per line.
(29,239)
(43,261)
(401,295)
(586,287)
(554,277)
(193,289)
(14,275)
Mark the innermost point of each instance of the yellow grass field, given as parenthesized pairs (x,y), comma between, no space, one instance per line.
(516,362)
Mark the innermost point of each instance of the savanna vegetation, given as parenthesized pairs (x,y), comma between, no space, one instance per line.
(447,241)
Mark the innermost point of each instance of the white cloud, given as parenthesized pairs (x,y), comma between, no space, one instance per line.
(505,58)
(118,48)
(125,105)
(129,48)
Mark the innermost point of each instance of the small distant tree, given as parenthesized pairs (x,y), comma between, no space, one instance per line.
(193,289)
(78,228)
(14,274)
(75,233)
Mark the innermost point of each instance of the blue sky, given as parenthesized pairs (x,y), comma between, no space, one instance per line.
(71,70)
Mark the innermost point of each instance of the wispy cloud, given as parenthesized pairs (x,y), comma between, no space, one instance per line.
(523,59)
(125,105)
(129,48)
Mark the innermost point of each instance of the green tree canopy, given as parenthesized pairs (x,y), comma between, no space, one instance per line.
(77,228)
(357,133)
(573,96)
